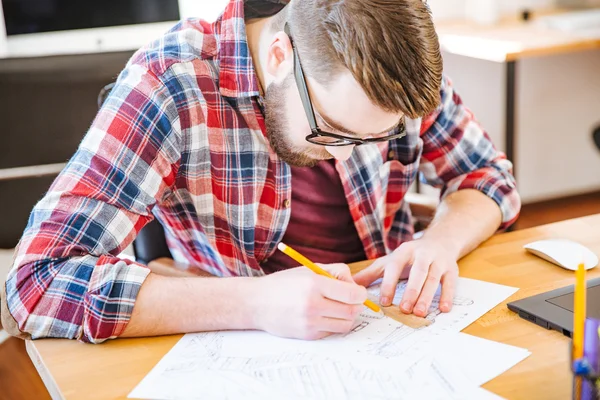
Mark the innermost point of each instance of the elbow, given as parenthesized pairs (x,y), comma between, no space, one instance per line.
(72,298)
(17,310)
(33,307)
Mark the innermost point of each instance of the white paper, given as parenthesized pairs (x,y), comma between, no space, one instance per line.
(480,360)
(482,394)
(380,359)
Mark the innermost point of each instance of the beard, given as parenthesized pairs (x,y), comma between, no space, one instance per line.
(277,127)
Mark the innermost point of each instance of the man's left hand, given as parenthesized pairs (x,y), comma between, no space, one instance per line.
(426,263)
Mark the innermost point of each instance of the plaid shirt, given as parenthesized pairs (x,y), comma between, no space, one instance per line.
(182,138)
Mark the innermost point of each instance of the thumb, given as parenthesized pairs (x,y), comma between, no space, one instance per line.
(370,274)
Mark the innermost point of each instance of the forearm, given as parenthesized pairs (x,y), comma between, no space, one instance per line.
(169,305)
(463,220)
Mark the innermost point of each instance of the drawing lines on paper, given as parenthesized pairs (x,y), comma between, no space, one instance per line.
(392,345)
(434,311)
(362,325)
(328,378)
(371,361)
(402,339)
(305,375)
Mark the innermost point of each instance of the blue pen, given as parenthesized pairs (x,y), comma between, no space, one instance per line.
(590,358)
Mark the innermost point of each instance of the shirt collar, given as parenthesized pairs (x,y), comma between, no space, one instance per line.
(237,77)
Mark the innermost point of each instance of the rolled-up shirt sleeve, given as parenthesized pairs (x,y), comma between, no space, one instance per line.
(67,280)
(458,154)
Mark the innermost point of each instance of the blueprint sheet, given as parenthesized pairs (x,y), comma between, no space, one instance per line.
(379,359)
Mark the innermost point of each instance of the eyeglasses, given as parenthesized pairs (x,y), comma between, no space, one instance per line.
(324,138)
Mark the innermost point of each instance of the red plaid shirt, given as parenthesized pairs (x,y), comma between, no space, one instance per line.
(182,138)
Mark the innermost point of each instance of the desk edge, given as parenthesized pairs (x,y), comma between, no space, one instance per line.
(43,371)
(583,45)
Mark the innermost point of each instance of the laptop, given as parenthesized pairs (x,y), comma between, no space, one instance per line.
(554,309)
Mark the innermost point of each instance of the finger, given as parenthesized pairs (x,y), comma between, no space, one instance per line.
(448,289)
(335,309)
(370,274)
(339,271)
(391,274)
(344,292)
(432,283)
(333,325)
(406,272)
(416,280)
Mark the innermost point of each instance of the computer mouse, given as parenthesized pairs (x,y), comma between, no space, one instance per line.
(564,253)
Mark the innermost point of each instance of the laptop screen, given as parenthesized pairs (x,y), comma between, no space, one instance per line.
(592,301)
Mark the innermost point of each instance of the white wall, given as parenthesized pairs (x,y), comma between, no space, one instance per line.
(210,9)
(2,33)
(558,105)
(454,9)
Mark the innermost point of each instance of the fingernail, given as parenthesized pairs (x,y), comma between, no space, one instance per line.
(420,308)
(406,306)
(385,301)
(445,306)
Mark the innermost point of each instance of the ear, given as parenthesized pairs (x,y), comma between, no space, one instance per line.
(280,57)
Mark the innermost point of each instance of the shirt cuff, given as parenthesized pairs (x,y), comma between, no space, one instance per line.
(112,292)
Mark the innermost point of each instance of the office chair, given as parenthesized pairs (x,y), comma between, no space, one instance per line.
(596,137)
(151,243)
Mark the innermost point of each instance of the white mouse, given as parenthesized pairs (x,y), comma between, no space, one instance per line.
(564,253)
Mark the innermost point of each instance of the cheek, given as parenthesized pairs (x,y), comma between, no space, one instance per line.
(298,127)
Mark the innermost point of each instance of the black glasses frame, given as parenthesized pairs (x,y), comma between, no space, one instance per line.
(317,134)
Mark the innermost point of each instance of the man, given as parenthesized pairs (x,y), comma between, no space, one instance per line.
(306,127)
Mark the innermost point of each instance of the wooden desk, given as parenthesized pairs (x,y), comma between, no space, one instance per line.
(508,42)
(512,39)
(74,370)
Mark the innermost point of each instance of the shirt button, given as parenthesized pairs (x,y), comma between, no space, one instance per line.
(391,154)
(287,203)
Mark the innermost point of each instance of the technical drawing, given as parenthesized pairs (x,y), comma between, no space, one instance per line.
(372,361)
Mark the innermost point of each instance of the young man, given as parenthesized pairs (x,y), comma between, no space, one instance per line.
(307,127)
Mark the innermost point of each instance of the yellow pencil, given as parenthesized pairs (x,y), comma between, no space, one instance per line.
(579,314)
(315,268)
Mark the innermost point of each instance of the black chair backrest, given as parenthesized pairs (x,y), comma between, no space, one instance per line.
(150,242)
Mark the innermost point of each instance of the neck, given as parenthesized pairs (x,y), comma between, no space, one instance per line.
(258,34)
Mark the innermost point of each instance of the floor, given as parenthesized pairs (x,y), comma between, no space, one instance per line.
(18,378)
(20,381)
(535,214)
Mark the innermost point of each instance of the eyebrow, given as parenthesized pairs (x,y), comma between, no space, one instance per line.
(340,128)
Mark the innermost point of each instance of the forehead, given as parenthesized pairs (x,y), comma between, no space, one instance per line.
(344,101)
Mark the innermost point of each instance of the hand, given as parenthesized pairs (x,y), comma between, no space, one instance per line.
(426,263)
(298,303)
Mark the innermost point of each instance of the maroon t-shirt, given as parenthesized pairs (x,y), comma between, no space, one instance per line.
(320,227)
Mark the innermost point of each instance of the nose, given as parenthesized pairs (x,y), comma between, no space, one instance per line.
(341,153)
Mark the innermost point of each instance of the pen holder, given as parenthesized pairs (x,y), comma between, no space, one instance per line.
(586,370)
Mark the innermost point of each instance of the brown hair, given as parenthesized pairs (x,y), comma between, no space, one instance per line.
(390,47)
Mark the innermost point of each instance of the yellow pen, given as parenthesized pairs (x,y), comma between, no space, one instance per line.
(579,314)
(316,269)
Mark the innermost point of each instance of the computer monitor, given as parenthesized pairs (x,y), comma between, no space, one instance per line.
(31,28)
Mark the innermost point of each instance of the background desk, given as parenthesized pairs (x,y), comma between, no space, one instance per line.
(74,370)
(508,43)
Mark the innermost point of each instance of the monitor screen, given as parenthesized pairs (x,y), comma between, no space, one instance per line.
(38,16)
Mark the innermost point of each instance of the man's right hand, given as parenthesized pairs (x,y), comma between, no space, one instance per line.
(297,303)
